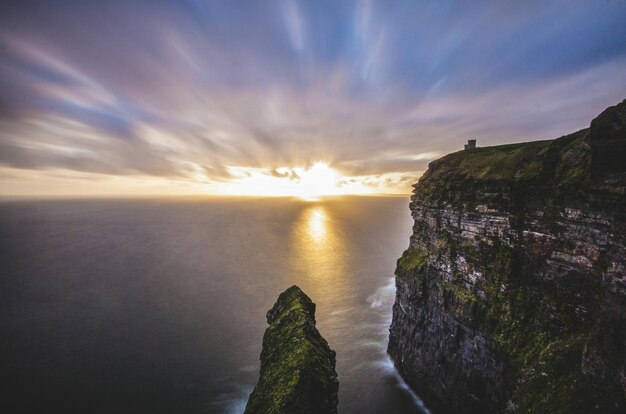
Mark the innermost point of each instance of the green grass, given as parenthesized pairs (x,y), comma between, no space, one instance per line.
(461,292)
(412,258)
(540,168)
(502,162)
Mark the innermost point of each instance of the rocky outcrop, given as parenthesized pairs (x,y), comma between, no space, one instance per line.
(512,294)
(297,366)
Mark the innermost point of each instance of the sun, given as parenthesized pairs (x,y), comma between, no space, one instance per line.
(307,183)
(318,180)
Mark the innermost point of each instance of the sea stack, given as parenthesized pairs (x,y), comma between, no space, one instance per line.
(512,294)
(297,365)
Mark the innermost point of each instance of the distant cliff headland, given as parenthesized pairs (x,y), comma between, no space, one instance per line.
(512,294)
(297,365)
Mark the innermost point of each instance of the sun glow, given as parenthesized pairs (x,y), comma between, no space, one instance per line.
(319,180)
(306,183)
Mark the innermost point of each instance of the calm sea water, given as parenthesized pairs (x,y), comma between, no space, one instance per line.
(159,305)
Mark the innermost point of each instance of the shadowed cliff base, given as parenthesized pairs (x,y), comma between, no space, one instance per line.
(512,294)
(297,365)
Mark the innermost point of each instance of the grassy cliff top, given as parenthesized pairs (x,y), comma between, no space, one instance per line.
(297,365)
(559,163)
(502,162)
(564,166)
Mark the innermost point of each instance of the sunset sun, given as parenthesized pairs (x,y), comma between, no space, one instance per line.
(307,183)
(317,181)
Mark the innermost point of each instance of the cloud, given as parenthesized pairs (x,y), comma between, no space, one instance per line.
(203,93)
(284,172)
(294,24)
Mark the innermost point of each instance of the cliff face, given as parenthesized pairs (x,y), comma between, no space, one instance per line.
(512,293)
(297,366)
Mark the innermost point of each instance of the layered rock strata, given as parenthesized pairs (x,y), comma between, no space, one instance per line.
(297,365)
(512,294)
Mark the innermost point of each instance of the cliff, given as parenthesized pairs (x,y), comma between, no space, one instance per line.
(297,366)
(512,294)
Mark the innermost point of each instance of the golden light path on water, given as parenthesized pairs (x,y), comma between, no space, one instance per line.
(319,246)
(319,251)
(317,224)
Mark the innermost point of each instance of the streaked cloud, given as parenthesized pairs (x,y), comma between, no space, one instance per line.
(200,96)
(294,23)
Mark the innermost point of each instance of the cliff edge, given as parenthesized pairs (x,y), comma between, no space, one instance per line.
(512,294)
(297,365)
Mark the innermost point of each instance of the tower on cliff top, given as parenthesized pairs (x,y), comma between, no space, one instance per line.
(471,144)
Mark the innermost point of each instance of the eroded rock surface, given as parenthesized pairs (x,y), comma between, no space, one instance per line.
(512,294)
(297,365)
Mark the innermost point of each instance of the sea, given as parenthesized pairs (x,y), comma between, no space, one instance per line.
(158,305)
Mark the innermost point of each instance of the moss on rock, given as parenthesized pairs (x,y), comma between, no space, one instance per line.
(297,365)
(412,258)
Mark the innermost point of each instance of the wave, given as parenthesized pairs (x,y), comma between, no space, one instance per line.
(382,301)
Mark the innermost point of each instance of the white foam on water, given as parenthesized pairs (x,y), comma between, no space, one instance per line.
(387,364)
(248,368)
(379,345)
(238,406)
(384,296)
(340,311)
(382,301)
(232,402)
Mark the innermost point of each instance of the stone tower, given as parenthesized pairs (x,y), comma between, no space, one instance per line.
(471,144)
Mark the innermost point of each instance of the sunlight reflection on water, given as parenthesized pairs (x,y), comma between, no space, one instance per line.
(319,247)
(316,219)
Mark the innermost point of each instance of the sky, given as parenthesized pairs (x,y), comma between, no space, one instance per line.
(269,97)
